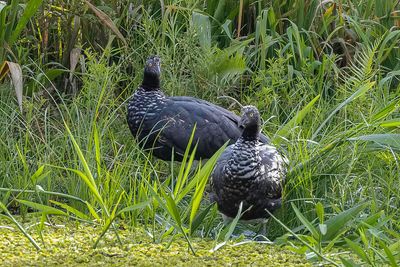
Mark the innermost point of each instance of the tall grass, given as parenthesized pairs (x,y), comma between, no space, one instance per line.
(327,90)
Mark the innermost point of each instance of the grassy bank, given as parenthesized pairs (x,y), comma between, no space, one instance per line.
(71,245)
(325,82)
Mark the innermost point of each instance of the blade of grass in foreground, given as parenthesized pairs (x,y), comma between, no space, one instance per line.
(227,232)
(20,227)
(301,240)
(201,180)
(169,205)
(88,178)
(113,217)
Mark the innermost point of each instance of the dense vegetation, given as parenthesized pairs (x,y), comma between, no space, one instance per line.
(324,75)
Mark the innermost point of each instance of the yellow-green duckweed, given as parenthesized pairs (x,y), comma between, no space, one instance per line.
(71,245)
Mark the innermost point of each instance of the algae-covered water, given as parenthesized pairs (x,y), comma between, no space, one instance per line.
(71,245)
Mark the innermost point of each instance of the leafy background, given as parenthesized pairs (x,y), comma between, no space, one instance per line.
(324,75)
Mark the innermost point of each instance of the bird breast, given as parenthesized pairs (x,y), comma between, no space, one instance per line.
(245,162)
(144,105)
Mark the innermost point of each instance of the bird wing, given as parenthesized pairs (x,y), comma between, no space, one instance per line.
(275,170)
(217,175)
(226,113)
(214,125)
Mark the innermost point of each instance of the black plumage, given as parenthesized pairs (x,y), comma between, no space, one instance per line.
(250,172)
(163,123)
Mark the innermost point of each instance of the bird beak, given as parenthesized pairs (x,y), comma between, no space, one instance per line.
(242,122)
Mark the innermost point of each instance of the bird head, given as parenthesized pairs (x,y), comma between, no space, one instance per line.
(153,65)
(152,72)
(250,121)
(249,117)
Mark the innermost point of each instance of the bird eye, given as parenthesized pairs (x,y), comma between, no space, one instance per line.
(150,65)
(251,114)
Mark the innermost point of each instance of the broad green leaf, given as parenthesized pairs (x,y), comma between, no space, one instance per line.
(390,123)
(391,140)
(72,210)
(202,26)
(336,223)
(30,10)
(138,206)
(319,209)
(358,250)
(42,208)
(349,263)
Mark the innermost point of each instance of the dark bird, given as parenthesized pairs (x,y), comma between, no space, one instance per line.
(250,172)
(165,124)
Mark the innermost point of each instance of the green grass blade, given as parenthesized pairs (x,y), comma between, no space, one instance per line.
(97,151)
(42,208)
(297,119)
(20,227)
(112,218)
(70,209)
(389,254)
(306,222)
(390,123)
(92,211)
(361,91)
(234,222)
(386,111)
(301,240)
(88,177)
(138,206)
(203,173)
(349,263)
(185,164)
(357,250)
(196,222)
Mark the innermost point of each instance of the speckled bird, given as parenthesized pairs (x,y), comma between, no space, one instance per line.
(250,172)
(165,124)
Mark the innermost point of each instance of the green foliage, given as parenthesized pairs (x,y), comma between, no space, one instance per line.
(323,75)
(11,25)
